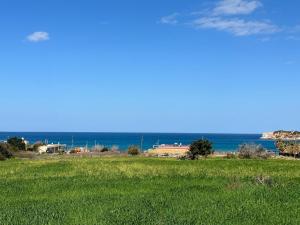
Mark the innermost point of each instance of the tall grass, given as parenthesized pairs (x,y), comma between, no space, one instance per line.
(148,191)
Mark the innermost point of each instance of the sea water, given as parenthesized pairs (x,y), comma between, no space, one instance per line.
(221,142)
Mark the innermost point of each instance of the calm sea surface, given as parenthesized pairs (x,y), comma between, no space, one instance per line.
(221,142)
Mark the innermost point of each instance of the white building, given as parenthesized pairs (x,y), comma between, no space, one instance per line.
(51,148)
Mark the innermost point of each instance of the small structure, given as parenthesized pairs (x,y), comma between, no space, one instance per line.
(52,148)
(174,150)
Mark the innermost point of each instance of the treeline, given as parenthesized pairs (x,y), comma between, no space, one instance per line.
(14,145)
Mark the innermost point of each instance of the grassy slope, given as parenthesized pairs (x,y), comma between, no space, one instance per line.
(148,191)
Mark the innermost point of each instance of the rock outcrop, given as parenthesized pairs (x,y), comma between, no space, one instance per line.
(281,135)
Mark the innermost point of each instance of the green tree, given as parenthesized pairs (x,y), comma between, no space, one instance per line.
(200,148)
(17,143)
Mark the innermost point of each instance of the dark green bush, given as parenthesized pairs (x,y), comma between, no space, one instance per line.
(133,150)
(17,143)
(200,148)
(105,149)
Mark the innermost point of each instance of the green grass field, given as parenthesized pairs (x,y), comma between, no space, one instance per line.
(149,191)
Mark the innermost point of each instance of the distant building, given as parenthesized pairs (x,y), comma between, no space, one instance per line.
(267,135)
(52,148)
(169,150)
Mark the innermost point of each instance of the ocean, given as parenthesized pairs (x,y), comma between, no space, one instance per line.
(221,142)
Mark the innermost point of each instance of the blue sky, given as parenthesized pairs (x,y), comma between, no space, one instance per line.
(150,66)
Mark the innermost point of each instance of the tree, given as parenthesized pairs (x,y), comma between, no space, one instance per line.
(200,148)
(17,143)
(133,150)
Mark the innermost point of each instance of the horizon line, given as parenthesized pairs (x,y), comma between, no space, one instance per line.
(130,132)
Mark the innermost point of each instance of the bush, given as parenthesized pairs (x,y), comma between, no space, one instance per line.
(36,146)
(133,150)
(105,149)
(253,151)
(289,147)
(5,152)
(17,143)
(200,148)
(73,151)
(230,156)
(264,180)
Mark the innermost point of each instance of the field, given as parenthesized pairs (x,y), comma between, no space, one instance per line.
(124,190)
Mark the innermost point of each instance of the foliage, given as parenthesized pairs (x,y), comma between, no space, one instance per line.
(37,145)
(253,151)
(230,156)
(289,147)
(17,143)
(281,134)
(133,150)
(264,180)
(105,149)
(200,148)
(73,151)
(137,190)
(5,152)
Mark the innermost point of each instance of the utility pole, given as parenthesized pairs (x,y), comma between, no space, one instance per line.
(72,142)
(142,140)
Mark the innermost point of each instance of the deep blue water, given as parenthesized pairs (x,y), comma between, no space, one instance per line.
(221,142)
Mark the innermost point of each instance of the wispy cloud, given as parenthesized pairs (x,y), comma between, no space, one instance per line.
(170,19)
(236,7)
(38,36)
(238,27)
(227,16)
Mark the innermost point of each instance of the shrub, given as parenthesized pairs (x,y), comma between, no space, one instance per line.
(200,148)
(105,149)
(264,180)
(17,143)
(36,146)
(289,147)
(230,156)
(253,151)
(5,152)
(133,150)
(73,151)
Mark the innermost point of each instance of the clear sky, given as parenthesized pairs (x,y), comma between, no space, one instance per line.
(150,66)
